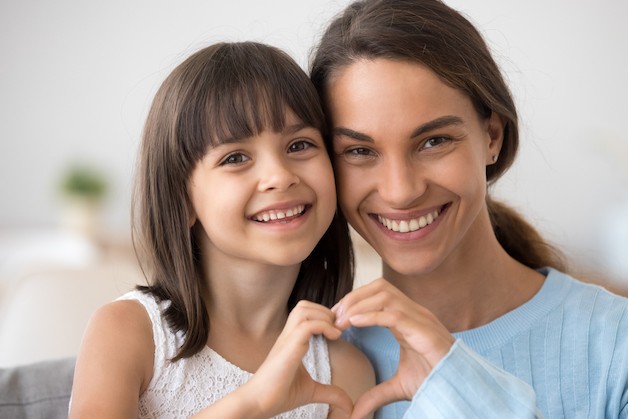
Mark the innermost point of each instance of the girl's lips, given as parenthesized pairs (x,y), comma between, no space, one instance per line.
(408,224)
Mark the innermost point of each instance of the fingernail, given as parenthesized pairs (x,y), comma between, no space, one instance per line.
(339,312)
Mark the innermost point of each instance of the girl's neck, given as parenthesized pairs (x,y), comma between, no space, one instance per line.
(247,306)
(250,298)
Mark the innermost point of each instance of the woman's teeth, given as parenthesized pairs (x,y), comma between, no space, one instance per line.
(273,215)
(406,226)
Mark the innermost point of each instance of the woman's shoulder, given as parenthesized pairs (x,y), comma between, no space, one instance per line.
(587,304)
(351,369)
(583,292)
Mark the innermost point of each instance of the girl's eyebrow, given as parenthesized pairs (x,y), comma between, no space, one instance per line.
(435,124)
(288,129)
(291,129)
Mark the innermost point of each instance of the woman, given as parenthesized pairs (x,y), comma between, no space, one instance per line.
(474,306)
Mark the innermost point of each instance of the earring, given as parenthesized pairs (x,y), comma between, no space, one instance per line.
(494,158)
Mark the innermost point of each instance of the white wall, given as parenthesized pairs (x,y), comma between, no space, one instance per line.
(77,77)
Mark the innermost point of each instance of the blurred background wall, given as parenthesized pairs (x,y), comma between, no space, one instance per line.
(77,78)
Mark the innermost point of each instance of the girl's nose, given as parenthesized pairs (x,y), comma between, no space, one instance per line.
(401,183)
(275,174)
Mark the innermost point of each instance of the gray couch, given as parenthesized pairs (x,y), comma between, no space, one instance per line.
(36,391)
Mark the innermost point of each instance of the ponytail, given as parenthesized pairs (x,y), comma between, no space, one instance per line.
(520,240)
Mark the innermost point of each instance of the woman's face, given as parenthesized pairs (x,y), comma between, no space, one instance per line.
(410,158)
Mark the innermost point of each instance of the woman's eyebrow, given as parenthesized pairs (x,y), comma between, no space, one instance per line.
(346,132)
(437,123)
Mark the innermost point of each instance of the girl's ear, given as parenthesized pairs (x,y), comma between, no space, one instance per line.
(191,216)
(495,131)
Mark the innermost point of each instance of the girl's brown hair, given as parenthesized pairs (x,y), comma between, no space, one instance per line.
(225,91)
(432,34)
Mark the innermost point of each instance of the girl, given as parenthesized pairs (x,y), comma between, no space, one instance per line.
(422,124)
(235,208)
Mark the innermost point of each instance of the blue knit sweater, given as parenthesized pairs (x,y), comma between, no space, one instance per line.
(568,346)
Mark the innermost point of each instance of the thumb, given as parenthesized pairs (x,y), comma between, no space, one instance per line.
(374,398)
(334,396)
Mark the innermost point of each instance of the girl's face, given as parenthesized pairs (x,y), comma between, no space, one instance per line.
(267,199)
(410,158)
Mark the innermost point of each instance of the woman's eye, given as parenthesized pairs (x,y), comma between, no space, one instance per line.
(358,152)
(434,141)
(299,146)
(234,158)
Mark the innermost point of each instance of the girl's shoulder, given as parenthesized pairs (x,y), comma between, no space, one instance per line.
(126,328)
(115,361)
(351,369)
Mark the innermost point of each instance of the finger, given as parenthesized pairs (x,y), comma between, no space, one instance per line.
(334,396)
(429,338)
(379,298)
(374,398)
(297,338)
(307,310)
(362,292)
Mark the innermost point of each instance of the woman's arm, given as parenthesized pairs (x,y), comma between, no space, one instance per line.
(436,375)
(114,364)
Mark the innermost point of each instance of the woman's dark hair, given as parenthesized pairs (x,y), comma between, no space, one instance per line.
(225,91)
(434,35)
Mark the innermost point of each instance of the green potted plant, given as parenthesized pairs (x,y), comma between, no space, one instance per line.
(83,190)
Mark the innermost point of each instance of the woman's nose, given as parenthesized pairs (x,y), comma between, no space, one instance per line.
(401,183)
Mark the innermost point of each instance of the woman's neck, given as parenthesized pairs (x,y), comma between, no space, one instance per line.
(472,287)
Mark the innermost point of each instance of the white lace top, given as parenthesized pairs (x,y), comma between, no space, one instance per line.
(183,388)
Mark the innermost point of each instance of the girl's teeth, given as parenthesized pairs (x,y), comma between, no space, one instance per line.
(273,215)
(406,226)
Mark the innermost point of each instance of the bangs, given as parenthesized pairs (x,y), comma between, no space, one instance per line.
(243,90)
(244,110)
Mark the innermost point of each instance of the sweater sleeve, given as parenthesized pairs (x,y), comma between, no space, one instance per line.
(464,385)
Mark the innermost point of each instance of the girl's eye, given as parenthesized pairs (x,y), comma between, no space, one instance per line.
(434,142)
(234,158)
(299,145)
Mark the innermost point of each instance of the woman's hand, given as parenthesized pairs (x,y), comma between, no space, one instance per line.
(282,383)
(423,340)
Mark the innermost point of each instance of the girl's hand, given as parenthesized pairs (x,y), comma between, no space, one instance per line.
(423,340)
(282,383)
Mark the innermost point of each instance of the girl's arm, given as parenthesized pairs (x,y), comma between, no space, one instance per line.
(282,383)
(114,364)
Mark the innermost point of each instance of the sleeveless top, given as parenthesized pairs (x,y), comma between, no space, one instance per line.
(183,388)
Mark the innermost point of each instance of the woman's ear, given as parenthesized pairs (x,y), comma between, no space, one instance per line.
(495,131)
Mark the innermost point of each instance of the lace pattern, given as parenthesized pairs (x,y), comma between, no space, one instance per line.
(183,388)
